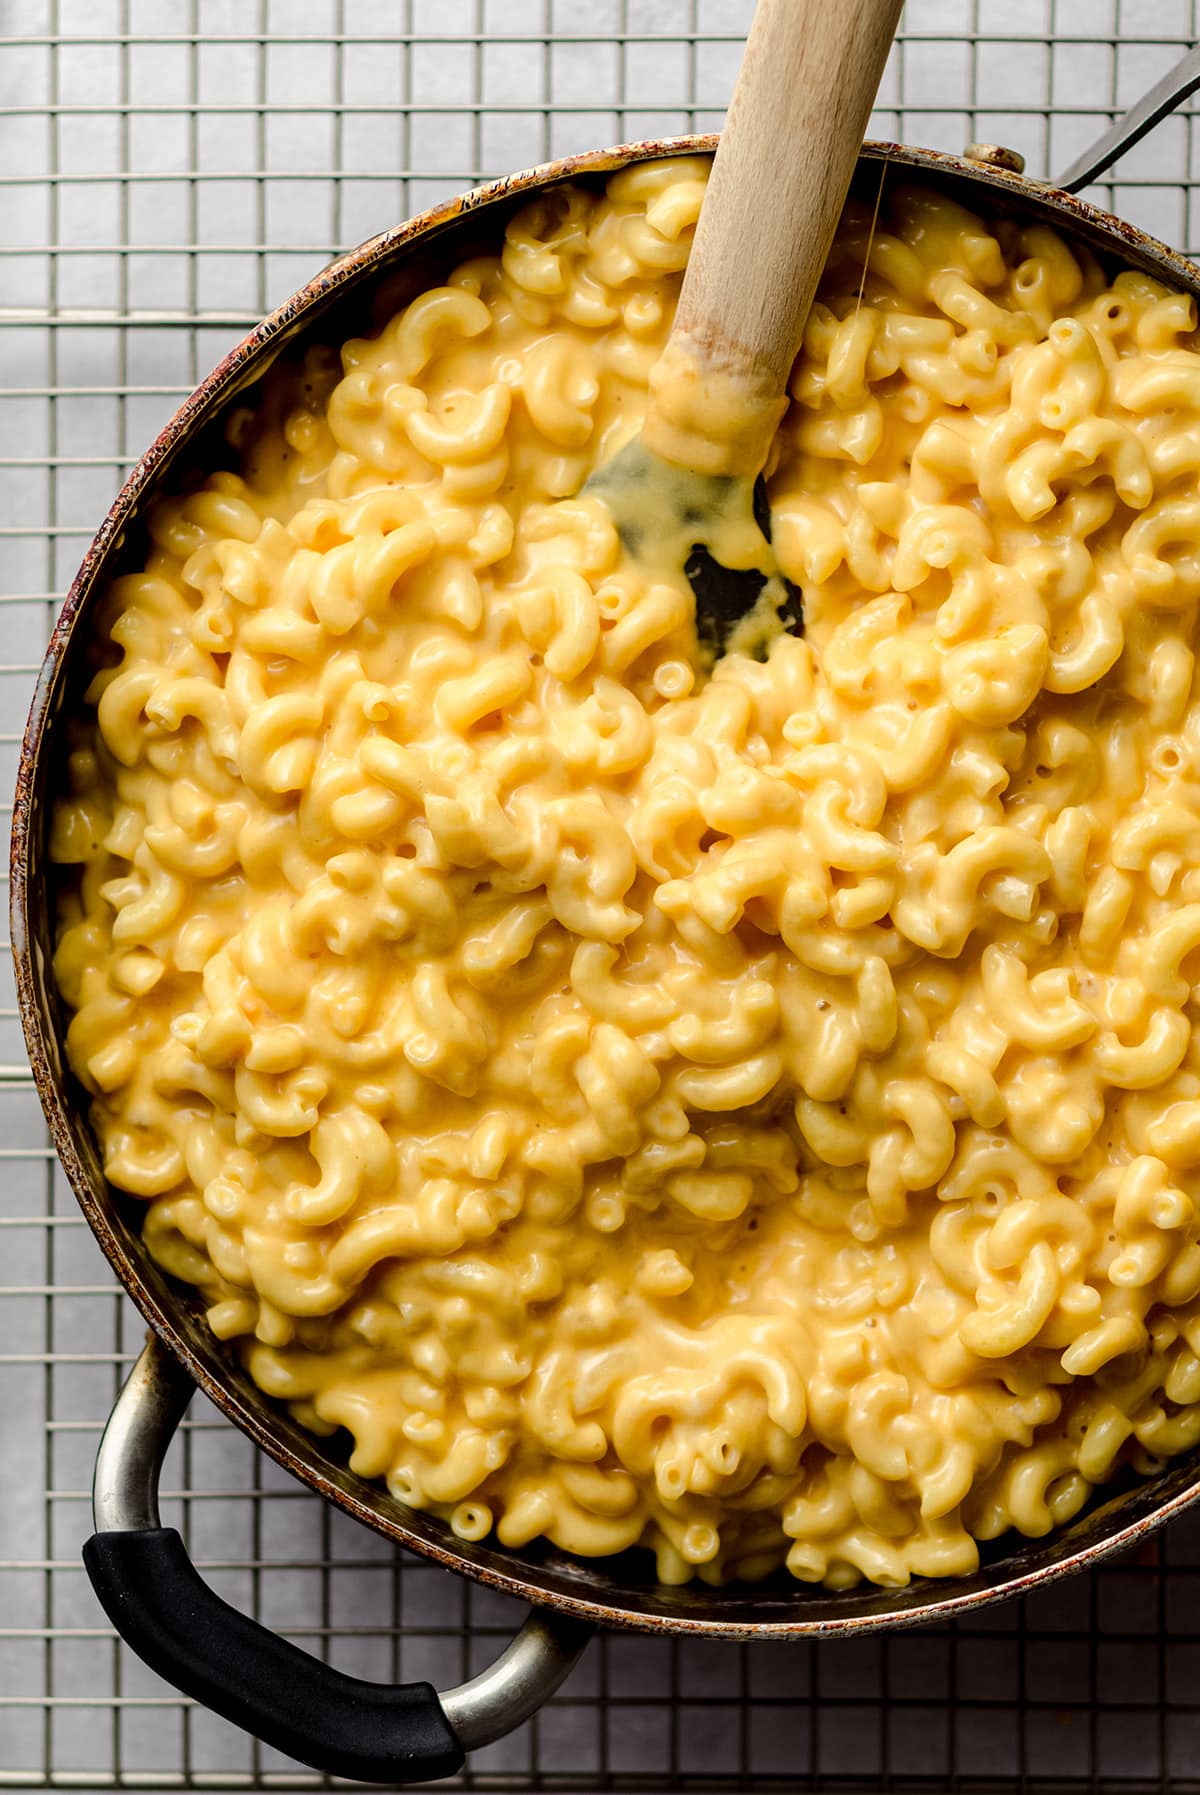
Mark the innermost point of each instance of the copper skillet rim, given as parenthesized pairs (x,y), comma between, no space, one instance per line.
(523,1581)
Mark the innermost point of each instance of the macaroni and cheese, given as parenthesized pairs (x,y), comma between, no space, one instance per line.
(752,1113)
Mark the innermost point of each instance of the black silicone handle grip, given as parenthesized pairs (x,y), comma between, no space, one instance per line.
(161,1606)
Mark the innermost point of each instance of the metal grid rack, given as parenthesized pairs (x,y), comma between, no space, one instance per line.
(168,170)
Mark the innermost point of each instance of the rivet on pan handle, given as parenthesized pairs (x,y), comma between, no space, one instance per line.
(161,1606)
(1175,86)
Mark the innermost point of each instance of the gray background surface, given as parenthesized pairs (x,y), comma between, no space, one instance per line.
(168,171)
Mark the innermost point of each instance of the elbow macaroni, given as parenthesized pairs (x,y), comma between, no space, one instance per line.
(753,1116)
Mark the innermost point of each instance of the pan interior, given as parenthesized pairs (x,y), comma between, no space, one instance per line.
(365,286)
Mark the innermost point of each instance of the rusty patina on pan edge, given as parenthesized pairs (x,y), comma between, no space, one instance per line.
(1115,1524)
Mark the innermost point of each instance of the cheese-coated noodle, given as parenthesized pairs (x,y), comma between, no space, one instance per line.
(754,1115)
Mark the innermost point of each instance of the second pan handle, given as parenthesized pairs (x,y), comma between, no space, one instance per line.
(1180,81)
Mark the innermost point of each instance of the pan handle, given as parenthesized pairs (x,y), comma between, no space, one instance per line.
(1179,81)
(160,1605)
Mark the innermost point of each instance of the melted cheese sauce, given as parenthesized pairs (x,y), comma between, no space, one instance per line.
(756,1117)
(664,512)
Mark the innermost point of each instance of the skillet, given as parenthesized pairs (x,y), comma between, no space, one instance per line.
(141,1572)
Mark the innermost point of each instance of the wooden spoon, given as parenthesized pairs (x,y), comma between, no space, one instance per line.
(683,492)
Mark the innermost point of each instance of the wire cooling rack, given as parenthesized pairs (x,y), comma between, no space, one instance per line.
(169,169)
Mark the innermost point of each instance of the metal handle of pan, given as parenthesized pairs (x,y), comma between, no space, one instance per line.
(1175,86)
(163,1609)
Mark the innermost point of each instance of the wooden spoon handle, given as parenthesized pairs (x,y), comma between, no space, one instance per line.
(792,136)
